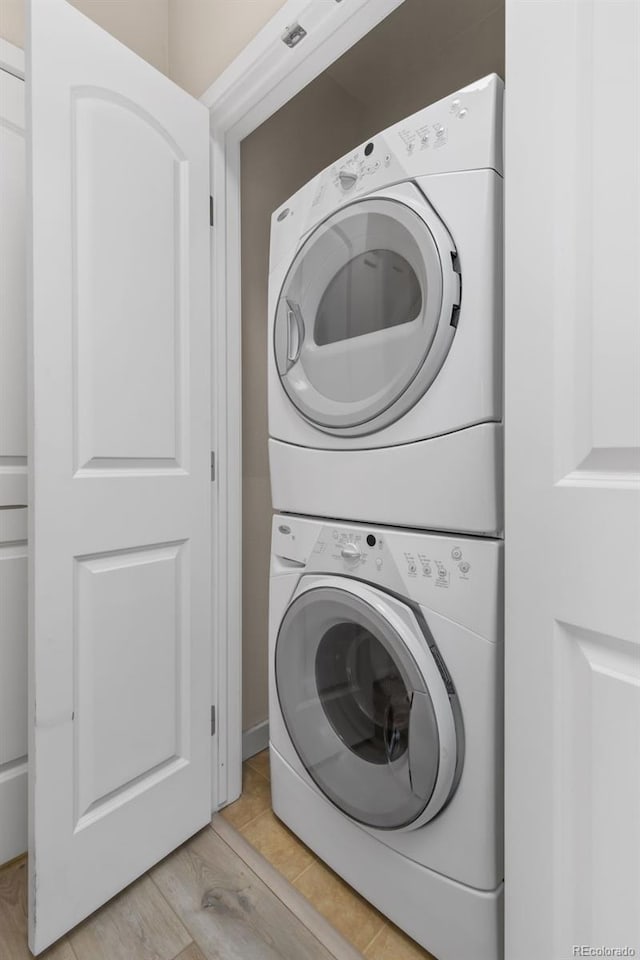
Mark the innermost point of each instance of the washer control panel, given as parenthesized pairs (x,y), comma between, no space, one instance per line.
(357,549)
(459,577)
(439,565)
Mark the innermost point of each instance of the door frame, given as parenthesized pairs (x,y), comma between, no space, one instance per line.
(261,80)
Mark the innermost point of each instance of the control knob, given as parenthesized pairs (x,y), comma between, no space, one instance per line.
(351,552)
(348,177)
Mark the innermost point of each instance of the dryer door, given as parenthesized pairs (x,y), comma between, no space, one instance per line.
(364,319)
(376,734)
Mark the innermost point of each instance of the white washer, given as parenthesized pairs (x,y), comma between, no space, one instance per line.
(386,720)
(385,326)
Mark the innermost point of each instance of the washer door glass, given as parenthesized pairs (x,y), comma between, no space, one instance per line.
(357,708)
(358,313)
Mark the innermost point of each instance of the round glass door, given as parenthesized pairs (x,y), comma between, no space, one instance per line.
(357,317)
(357,708)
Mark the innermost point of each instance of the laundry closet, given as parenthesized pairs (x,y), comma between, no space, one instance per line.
(148,499)
(420,53)
(416,56)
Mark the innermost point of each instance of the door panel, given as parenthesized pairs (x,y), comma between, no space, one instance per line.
(133,648)
(13,321)
(128,401)
(13,683)
(120,567)
(601,678)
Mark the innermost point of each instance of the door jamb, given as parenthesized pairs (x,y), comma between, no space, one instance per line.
(265,76)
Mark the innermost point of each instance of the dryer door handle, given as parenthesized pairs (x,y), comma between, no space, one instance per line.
(424,746)
(295,332)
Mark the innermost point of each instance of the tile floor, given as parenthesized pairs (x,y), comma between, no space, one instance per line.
(357,920)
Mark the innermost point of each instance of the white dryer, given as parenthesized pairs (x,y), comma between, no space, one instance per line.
(386,720)
(385,326)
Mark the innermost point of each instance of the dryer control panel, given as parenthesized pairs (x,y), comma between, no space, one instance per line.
(460,132)
(459,577)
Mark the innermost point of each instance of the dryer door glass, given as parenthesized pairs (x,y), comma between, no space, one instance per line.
(357,315)
(354,702)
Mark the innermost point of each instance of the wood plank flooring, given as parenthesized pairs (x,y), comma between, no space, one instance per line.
(201,903)
(244,888)
(230,912)
(361,924)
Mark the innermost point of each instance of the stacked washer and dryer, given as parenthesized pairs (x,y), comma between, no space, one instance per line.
(385,422)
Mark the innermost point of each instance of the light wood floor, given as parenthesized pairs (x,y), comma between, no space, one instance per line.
(242,889)
(203,902)
(360,923)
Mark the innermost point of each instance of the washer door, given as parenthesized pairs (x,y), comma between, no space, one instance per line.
(376,734)
(364,319)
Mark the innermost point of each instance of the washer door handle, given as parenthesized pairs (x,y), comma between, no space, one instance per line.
(295,332)
(423,763)
(392,734)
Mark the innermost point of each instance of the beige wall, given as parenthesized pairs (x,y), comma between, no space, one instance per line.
(142,25)
(206,35)
(12,21)
(328,122)
(192,41)
(422,52)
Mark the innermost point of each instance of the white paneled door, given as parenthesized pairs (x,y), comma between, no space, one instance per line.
(119,468)
(13,474)
(572,642)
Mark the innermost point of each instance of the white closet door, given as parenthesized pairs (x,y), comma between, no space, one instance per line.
(119,465)
(13,474)
(13,378)
(572,873)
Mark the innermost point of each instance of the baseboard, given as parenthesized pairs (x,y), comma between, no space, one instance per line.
(255,739)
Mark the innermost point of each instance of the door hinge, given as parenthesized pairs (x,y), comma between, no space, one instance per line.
(210,211)
(213,466)
(213,721)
